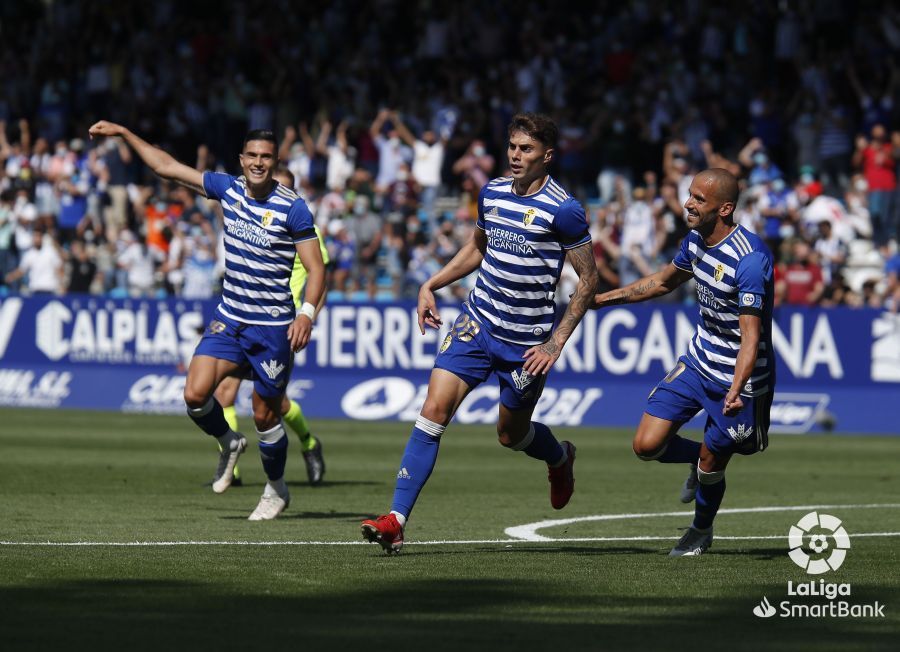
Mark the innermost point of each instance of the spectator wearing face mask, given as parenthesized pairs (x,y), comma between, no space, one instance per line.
(367,232)
(474,167)
(42,265)
(427,164)
(82,269)
(755,158)
(779,207)
(199,270)
(831,250)
(391,151)
(800,282)
(403,195)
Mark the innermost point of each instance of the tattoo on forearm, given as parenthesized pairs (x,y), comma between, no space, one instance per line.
(582,259)
(630,293)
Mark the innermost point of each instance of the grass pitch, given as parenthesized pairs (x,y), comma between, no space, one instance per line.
(217,581)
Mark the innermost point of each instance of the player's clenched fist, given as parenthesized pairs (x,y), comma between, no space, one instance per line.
(106,128)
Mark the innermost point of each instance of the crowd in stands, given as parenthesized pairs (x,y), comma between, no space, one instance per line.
(392,115)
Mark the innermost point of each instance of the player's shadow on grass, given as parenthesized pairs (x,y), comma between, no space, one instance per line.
(757,553)
(438,612)
(308,516)
(325,484)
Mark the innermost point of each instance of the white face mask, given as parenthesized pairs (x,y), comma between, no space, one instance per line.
(394,141)
(402,175)
(478,151)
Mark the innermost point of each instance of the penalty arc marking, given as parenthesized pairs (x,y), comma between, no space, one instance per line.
(528,532)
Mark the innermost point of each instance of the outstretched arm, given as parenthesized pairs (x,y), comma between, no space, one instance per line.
(162,163)
(322,140)
(402,129)
(649,287)
(466,261)
(539,359)
(378,123)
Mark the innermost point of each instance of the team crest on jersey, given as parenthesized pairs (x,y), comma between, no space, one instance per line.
(446,343)
(267,218)
(215,326)
(720,272)
(529,216)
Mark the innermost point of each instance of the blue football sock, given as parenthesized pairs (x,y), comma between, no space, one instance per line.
(417,463)
(210,418)
(273,445)
(709,497)
(680,451)
(540,444)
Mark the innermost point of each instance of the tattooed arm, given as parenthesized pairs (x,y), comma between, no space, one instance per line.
(540,358)
(649,287)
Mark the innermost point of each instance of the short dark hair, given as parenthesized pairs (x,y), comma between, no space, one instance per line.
(537,125)
(260,134)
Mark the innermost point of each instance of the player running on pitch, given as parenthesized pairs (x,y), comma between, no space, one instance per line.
(291,412)
(729,369)
(266,226)
(527,227)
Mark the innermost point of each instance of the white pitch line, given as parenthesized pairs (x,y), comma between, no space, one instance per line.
(170,544)
(528,532)
(521,533)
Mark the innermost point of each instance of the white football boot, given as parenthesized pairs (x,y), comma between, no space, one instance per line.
(228,458)
(271,504)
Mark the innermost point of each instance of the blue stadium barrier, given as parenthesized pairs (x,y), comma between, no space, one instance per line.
(837,368)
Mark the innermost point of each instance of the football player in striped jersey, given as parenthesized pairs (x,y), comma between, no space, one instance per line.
(291,412)
(256,323)
(527,227)
(729,368)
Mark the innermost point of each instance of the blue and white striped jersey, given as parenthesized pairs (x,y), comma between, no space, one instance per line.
(527,239)
(733,277)
(259,249)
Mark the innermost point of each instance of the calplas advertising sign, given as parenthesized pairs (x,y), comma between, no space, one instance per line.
(836,368)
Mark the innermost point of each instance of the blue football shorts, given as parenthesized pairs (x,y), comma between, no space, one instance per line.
(471,354)
(264,350)
(685,391)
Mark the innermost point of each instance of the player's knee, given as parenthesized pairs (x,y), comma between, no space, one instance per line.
(515,438)
(264,417)
(434,411)
(194,398)
(510,437)
(710,477)
(646,451)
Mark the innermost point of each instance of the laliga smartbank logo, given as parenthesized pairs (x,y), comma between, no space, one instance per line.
(828,527)
(818,543)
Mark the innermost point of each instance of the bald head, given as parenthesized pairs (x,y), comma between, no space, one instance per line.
(720,183)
